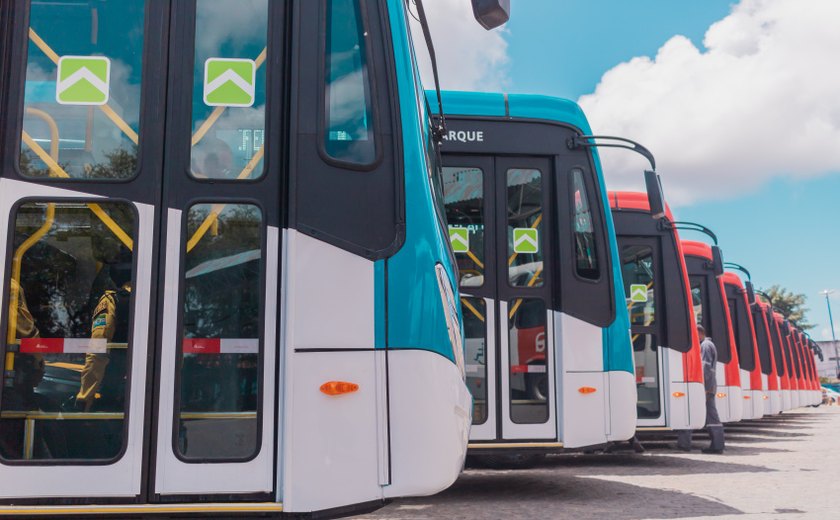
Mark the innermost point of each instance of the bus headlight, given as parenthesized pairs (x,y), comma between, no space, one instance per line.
(450,310)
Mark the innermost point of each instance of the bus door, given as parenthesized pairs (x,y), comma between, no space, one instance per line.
(640,265)
(502,241)
(139,295)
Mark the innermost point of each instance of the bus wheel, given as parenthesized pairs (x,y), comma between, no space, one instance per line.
(538,387)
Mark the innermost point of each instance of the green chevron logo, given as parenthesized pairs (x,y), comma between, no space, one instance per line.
(460,239)
(525,240)
(638,293)
(83,80)
(229,82)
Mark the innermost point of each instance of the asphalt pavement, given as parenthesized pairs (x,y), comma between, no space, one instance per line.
(781,467)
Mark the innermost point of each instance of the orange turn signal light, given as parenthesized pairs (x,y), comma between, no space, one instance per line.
(587,390)
(746,397)
(339,387)
(764,397)
(678,394)
(721,395)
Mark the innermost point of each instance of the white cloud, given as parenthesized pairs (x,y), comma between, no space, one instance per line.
(468,56)
(762,101)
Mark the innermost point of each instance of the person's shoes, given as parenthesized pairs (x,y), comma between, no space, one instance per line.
(637,446)
(712,451)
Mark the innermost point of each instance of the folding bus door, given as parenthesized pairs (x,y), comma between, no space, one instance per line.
(640,265)
(219,260)
(501,241)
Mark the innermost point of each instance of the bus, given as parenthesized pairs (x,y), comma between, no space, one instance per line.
(669,370)
(738,299)
(762,321)
(548,359)
(793,364)
(711,309)
(781,357)
(816,390)
(227,285)
(810,362)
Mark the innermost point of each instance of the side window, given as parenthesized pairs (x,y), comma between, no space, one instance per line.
(524,227)
(698,295)
(82,95)
(586,253)
(463,195)
(229,89)
(68,340)
(348,133)
(763,341)
(741,327)
(221,319)
(638,274)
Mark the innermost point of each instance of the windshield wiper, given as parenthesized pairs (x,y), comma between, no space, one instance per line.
(439,125)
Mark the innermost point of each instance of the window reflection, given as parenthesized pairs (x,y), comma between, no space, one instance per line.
(637,273)
(475,334)
(349,132)
(222,314)
(586,255)
(82,121)
(228,101)
(68,337)
(463,192)
(529,383)
(524,228)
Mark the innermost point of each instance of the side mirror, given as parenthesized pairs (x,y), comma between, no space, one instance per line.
(491,13)
(717,261)
(750,292)
(656,199)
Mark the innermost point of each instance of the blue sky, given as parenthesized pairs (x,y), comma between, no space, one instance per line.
(746,131)
(782,230)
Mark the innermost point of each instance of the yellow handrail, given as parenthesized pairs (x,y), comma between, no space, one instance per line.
(54,140)
(58,171)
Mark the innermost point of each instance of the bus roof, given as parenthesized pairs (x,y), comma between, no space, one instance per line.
(733,279)
(521,106)
(634,200)
(695,248)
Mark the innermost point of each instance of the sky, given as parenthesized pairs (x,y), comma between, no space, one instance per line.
(738,100)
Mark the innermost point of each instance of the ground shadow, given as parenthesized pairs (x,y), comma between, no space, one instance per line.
(542,494)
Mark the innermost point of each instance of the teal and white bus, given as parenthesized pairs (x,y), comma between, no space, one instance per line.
(227,284)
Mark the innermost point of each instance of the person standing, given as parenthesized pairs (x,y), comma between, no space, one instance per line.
(708,352)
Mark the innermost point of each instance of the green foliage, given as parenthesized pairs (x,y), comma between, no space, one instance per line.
(790,304)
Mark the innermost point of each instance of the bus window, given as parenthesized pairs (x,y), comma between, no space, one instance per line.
(584,231)
(82,94)
(698,294)
(776,342)
(222,316)
(349,132)
(528,362)
(69,315)
(637,273)
(525,251)
(762,340)
(229,87)
(463,194)
(646,357)
(475,334)
(741,328)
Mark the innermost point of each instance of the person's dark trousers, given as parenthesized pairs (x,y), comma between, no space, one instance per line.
(713,426)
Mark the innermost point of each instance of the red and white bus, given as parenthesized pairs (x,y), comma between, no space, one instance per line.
(711,309)
(738,299)
(669,371)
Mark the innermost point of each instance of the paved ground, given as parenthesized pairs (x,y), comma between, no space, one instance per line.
(782,467)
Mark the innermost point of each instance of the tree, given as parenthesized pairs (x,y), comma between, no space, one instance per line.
(791,305)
